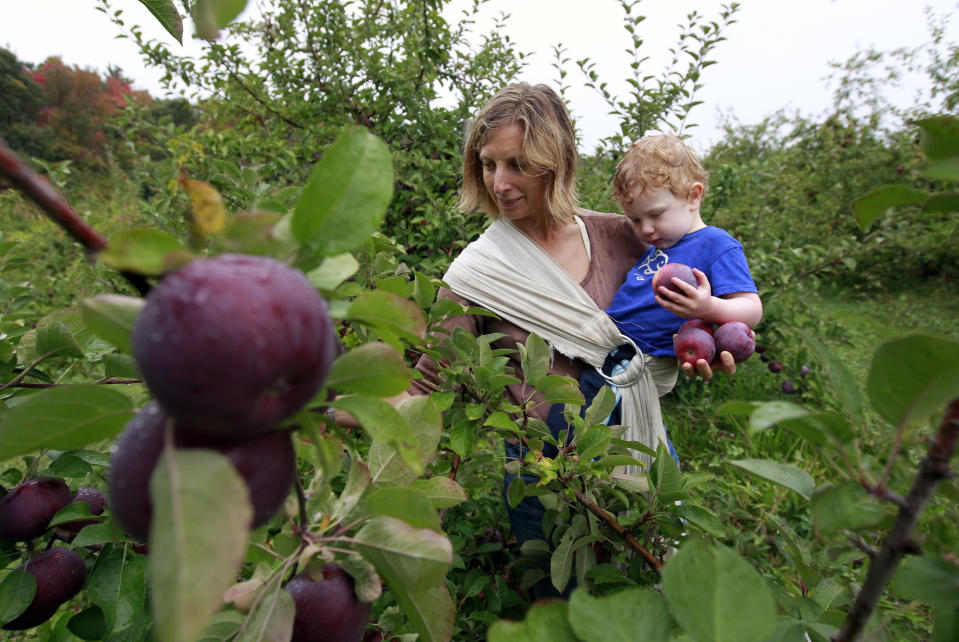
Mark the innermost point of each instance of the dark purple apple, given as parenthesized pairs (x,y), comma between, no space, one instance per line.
(775,366)
(699,324)
(232,345)
(664,277)
(26,511)
(60,575)
(267,462)
(93,498)
(735,338)
(789,387)
(804,371)
(694,344)
(328,610)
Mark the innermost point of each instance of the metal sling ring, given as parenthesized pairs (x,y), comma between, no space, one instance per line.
(639,375)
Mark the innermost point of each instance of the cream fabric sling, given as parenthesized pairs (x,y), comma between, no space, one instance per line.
(507,273)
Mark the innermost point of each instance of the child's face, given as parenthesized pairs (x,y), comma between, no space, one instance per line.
(661,218)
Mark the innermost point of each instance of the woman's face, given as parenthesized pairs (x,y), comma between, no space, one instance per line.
(519,197)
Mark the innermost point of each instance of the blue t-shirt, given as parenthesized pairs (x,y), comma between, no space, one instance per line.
(650,325)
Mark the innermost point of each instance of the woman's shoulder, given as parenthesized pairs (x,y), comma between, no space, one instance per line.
(614,228)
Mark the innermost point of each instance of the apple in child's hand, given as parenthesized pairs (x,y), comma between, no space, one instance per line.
(699,324)
(664,277)
(694,344)
(735,338)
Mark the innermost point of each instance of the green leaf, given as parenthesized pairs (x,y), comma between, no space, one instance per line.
(56,339)
(271,619)
(665,478)
(875,203)
(145,251)
(929,580)
(111,317)
(373,369)
(120,366)
(842,383)
(408,504)
(627,616)
(442,491)
(73,512)
(117,585)
(63,418)
(198,539)
(845,506)
(429,611)
(594,442)
(410,559)
(345,200)
(766,415)
(168,17)
(384,424)
(704,519)
(357,483)
(544,622)
(88,624)
(515,492)
(710,589)
(944,202)
(912,377)
(603,404)
(560,389)
(385,310)
(333,271)
(561,562)
(783,474)
(535,357)
(212,15)
(16,593)
(940,142)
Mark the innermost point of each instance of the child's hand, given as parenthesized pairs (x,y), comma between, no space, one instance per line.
(725,363)
(693,303)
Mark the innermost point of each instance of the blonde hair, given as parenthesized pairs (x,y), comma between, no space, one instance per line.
(658,162)
(549,149)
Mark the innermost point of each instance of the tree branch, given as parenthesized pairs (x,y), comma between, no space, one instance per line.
(932,469)
(618,528)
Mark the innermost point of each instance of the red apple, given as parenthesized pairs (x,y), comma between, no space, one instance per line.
(694,344)
(26,511)
(60,575)
(735,338)
(232,345)
(328,610)
(664,277)
(696,323)
(267,463)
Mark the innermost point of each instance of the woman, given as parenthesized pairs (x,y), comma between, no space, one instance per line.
(543,265)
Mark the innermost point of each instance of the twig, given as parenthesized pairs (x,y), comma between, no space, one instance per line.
(58,209)
(618,528)
(932,469)
(863,546)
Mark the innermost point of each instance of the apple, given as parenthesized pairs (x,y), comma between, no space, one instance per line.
(267,462)
(789,387)
(327,610)
(26,511)
(694,344)
(664,277)
(700,324)
(735,338)
(60,575)
(775,366)
(93,498)
(234,344)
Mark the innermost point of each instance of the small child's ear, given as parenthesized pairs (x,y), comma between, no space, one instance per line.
(695,194)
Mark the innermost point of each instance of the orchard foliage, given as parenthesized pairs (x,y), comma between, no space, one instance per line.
(793,526)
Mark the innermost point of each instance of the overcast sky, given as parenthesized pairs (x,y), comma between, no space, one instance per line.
(776,56)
